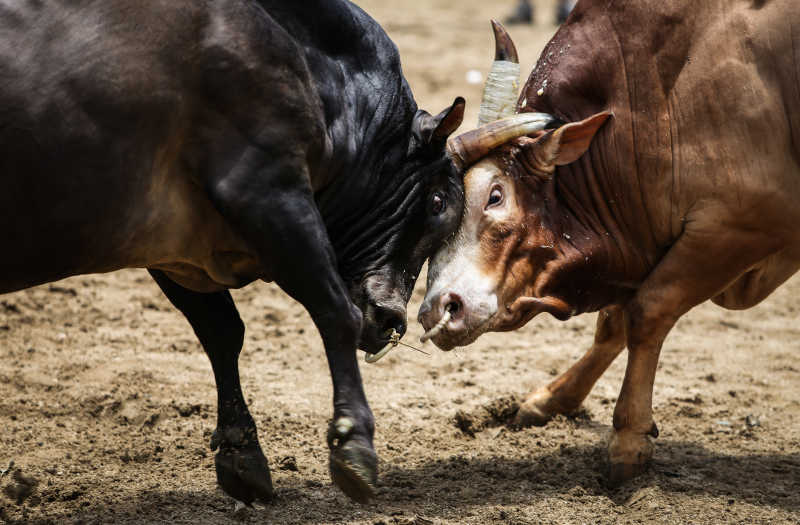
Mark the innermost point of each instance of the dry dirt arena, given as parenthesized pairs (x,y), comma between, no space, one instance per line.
(107,402)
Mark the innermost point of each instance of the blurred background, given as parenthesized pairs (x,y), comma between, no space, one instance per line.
(441,42)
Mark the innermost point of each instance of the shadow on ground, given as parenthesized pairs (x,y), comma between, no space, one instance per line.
(444,488)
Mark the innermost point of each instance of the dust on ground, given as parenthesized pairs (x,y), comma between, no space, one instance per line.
(107,402)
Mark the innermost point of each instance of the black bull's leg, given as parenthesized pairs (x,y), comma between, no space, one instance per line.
(271,204)
(242,469)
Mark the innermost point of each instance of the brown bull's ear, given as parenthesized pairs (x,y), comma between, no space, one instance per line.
(435,130)
(569,142)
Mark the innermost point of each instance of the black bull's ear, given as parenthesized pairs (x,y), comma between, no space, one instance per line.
(435,130)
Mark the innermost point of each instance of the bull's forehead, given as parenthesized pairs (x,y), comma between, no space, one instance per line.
(449,263)
(477,182)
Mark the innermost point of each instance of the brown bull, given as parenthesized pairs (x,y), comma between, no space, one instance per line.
(690,191)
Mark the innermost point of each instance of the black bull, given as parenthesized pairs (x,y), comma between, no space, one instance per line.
(216,143)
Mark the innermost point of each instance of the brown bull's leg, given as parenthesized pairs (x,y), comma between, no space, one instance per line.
(631,448)
(567,392)
(698,266)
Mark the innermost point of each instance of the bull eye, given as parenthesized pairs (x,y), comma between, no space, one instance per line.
(495,197)
(438,203)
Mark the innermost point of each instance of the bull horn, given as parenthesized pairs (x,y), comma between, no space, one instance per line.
(469,147)
(502,83)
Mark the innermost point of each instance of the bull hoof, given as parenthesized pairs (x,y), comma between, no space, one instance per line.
(535,410)
(621,473)
(354,469)
(244,474)
(629,455)
(354,466)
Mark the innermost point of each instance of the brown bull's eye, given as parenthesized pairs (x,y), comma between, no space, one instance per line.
(495,197)
(438,203)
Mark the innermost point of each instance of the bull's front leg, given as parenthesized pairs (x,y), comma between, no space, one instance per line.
(274,209)
(242,469)
(702,263)
(567,392)
(630,448)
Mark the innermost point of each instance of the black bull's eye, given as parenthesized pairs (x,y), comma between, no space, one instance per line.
(438,203)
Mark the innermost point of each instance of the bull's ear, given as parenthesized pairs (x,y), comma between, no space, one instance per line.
(435,130)
(567,143)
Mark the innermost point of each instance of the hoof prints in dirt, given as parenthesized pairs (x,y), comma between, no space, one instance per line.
(500,413)
(19,487)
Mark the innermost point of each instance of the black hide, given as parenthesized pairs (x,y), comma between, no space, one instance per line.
(216,143)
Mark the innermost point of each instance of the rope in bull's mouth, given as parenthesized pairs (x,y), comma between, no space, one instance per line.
(394,340)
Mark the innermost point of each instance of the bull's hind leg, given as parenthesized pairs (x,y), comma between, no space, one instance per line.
(242,469)
(567,392)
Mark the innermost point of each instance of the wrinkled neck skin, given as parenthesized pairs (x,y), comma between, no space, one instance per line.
(579,257)
(608,210)
(573,261)
(368,110)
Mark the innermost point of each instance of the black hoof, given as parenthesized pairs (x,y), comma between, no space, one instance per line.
(354,469)
(244,474)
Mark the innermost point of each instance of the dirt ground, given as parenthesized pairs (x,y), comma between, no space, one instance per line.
(107,402)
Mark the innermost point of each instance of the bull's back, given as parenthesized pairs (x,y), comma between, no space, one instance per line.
(734,135)
(98,99)
(83,115)
(735,114)
(706,98)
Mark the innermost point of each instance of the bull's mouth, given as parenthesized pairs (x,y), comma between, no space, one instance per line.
(371,342)
(446,340)
(383,310)
(382,326)
(511,318)
(394,341)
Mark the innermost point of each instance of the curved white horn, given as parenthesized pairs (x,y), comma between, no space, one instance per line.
(502,84)
(469,147)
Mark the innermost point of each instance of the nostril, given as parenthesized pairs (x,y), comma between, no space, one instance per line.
(392,320)
(452,303)
(400,327)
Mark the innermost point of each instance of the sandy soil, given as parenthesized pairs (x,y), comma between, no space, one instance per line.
(107,401)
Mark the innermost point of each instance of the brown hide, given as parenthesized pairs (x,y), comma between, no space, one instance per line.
(705,103)
(690,192)
(706,106)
